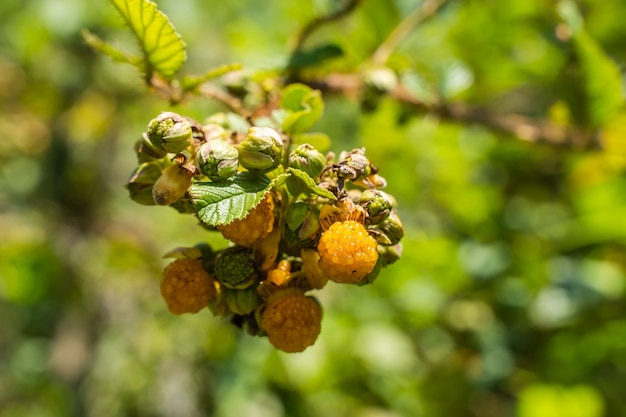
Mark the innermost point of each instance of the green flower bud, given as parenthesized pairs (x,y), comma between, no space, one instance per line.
(376,204)
(234,268)
(142,181)
(217,159)
(262,150)
(392,228)
(302,225)
(308,159)
(171,185)
(390,254)
(170,132)
(146,151)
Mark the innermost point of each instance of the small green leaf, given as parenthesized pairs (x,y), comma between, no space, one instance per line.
(314,57)
(162,47)
(109,50)
(293,96)
(320,141)
(301,182)
(304,106)
(220,203)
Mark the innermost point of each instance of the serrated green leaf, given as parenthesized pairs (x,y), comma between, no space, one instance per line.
(304,106)
(279,180)
(320,141)
(220,203)
(300,182)
(109,50)
(162,47)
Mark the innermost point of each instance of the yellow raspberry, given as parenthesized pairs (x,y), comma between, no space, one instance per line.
(347,252)
(255,226)
(292,320)
(186,287)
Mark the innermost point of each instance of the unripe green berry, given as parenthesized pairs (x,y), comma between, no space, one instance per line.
(376,204)
(234,268)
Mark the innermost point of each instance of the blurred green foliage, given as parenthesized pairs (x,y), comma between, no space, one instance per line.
(509,299)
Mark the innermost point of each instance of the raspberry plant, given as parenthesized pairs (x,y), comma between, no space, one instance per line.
(296,215)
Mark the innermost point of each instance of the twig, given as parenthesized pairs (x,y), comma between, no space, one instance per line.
(233,103)
(522,127)
(315,24)
(404,29)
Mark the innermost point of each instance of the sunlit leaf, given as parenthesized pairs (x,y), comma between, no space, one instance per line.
(220,203)
(162,47)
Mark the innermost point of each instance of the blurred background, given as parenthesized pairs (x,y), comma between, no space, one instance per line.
(510,296)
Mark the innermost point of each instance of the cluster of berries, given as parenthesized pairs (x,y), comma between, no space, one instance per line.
(300,219)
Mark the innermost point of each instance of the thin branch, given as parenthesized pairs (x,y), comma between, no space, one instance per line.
(404,29)
(315,24)
(233,103)
(521,127)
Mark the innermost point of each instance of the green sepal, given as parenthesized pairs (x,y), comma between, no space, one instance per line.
(300,182)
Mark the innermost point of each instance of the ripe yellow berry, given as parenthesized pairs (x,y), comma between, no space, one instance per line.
(347,252)
(292,320)
(186,287)
(255,226)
